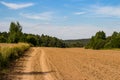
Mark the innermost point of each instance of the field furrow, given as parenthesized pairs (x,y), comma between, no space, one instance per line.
(69,64)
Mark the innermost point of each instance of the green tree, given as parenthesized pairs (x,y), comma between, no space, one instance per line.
(100,35)
(114,41)
(15,32)
(2,39)
(97,41)
(31,39)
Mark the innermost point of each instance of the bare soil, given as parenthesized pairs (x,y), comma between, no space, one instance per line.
(67,64)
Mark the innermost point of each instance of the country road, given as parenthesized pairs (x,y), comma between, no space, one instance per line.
(67,64)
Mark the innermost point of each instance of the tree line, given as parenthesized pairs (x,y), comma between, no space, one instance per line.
(98,41)
(16,35)
(101,41)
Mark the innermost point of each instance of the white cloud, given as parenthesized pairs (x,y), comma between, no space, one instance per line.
(4,26)
(41,16)
(107,10)
(16,6)
(79,13)
(62,32)
(68,32)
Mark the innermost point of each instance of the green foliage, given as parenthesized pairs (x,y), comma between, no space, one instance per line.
(100,41)
(99,44)
(15,35)
(76,42)
(15,32)
(97,41)
(114,41)
(100,35)
(3,37)
(31,39)
(51,41)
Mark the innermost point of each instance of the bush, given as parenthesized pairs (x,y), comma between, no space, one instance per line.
(99,44)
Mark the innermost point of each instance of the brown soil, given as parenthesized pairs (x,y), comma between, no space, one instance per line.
(68,64)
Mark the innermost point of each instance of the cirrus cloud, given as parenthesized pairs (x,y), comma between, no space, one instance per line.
(109,11)
(16,6)
(79,13)
(38,16)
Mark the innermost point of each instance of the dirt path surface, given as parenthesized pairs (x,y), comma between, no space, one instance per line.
(68,64)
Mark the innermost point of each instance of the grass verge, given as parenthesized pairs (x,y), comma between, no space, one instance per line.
(11,53)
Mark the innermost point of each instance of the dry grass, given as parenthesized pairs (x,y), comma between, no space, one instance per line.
(10,52)
(7,44)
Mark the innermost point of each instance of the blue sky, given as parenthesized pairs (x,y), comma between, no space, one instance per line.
(65,19)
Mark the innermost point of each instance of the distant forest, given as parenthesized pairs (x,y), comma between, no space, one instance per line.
(15,35)
(77,42)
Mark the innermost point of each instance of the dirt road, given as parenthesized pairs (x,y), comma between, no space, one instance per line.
(68,64)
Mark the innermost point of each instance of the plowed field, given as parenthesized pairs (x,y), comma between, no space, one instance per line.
(68,64)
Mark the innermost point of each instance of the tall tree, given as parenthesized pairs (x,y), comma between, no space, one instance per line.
(15,32)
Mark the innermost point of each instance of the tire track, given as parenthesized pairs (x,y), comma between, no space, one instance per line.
(44,66)
(70,64)
(29,65)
